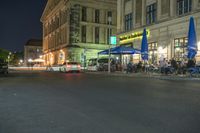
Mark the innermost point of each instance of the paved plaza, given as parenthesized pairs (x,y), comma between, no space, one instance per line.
(42,102)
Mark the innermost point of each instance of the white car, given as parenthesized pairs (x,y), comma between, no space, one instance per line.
(55,68)
(70,67)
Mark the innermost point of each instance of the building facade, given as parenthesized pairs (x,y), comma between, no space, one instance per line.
(167,24)
(32,50)
(76,30)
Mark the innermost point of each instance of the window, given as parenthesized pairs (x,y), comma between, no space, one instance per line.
(84,14)
(184,6)
(128,21)
(109,33)
(153,47)
(151,13)
(96,35)
(180,47)
(83,34)
(97,14)
(109,17)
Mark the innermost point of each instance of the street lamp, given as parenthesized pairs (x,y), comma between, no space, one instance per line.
(9,57)
(30,60)
(109,32)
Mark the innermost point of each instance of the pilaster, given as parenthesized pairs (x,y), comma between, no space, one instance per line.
(143,12)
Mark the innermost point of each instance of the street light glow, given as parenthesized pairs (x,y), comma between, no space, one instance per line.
(178,49)
(160,50)
(30,60)
(198,46)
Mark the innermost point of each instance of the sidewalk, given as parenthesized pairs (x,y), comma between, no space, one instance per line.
(146,75)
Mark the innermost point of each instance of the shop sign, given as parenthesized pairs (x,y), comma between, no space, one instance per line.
(133,36)
(113,40)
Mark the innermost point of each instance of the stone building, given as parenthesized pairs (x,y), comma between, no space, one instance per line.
(76,30)
(167,22)
(32,50)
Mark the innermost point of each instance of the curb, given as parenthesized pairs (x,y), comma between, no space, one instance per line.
(158,77)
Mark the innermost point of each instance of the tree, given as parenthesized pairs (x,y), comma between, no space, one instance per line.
(4,54)
(16,57)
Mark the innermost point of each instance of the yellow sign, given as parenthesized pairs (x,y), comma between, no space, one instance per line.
(133,36)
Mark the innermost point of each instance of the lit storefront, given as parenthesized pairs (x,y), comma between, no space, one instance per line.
(153,52)
(180,48)
(130,40)
(167,21)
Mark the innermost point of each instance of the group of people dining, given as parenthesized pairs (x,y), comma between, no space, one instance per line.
(164,66)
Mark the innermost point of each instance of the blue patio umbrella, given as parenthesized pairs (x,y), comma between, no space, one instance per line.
(124,50)
(121,50)
(144,46)
(104,52)
(192,40)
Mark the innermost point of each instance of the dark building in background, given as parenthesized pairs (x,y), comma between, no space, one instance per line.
(32,50)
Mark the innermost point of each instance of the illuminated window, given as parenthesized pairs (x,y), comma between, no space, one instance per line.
(153,55)
(180,47)
(184,6)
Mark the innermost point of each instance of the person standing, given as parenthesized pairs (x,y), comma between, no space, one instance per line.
(163,65)
(174,64)
(191,63)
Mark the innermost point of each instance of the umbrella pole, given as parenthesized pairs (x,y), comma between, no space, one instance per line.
(121,64)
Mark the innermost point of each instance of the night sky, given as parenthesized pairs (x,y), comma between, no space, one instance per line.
(19,22)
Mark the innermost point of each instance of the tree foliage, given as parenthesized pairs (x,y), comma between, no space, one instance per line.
(4,54)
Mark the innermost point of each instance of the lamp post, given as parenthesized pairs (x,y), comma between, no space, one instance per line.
(9,56)
(109,32)
(30,62)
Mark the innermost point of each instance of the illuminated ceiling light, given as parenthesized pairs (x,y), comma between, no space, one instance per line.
(161,50)
(178,49)
(30,60)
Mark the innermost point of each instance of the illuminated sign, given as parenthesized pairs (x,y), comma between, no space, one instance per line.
(133,36)
(113,40)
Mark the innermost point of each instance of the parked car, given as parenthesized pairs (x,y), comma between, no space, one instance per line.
(54,68)
(70,67)
(102,65)
(92,64)
(3,67)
